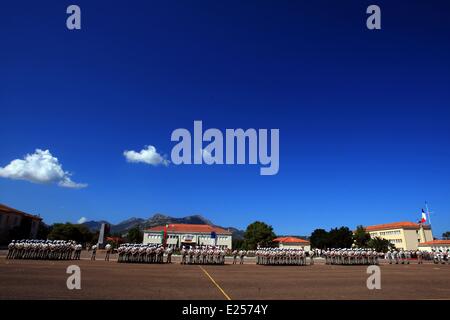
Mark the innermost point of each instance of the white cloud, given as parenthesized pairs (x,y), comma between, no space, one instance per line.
(82,220)
(39,167)
(147,155)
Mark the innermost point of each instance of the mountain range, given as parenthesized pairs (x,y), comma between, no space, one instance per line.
(157,220)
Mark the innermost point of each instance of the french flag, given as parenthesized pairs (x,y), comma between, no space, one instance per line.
(424,217)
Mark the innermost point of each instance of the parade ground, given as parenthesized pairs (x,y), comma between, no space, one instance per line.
(31,279)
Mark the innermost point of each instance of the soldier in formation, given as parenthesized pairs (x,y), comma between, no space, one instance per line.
(354,256)
(94,252)
(401,256)
(282,256)
(108,249)
(242,254)
(234,254)
(44,250)
(169,252)
(202,255)
(440,256)
(143,253)
(419,256)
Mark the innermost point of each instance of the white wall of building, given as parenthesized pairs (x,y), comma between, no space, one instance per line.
(174,239)
(303,246)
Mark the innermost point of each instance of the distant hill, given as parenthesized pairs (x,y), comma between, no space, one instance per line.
(94,225)
(126,225)
(157,220)
(237,234)
(160,219)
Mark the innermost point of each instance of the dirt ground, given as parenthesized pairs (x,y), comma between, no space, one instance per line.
(28,279)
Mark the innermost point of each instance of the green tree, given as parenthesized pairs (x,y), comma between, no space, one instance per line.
(380,244)
(361,237)
(319,239)
(258,233)
(237,244)
(135,235)
(43,231)
(446,235)
(69,231)
(340,238)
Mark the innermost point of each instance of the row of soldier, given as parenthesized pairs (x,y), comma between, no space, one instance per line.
(202,255)
(241,254)
(354,256)
(143,253)
(441,256)
(402,257)
(140,253)
(283,256)
(44,250)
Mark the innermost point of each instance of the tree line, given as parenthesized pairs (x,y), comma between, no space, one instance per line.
(67,231)
(259,233)
(343,237)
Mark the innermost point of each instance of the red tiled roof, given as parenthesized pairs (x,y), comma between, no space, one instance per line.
(396,225)
(435,242)
(196,228)
(290,240)
(6,209)
(115,239)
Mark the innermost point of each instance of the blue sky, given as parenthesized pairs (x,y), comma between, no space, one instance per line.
(364,116)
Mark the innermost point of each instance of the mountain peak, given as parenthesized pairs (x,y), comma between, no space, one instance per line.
(132,219)
(198,219)
(159,216)
(157,219)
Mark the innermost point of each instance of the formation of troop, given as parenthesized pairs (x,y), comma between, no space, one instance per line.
(151,253)
(143,253)
(440,256)
(44,250)
(354,256)
(402,256)
(282,256)
(241,254)
(202,255)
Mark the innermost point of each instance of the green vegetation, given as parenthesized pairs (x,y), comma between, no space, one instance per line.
(69,231)
(361,237)
(380,245)
(237,244)
(335,238)
(258,233)
(135,235)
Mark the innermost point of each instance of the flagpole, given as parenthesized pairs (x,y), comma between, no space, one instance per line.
(428,212)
